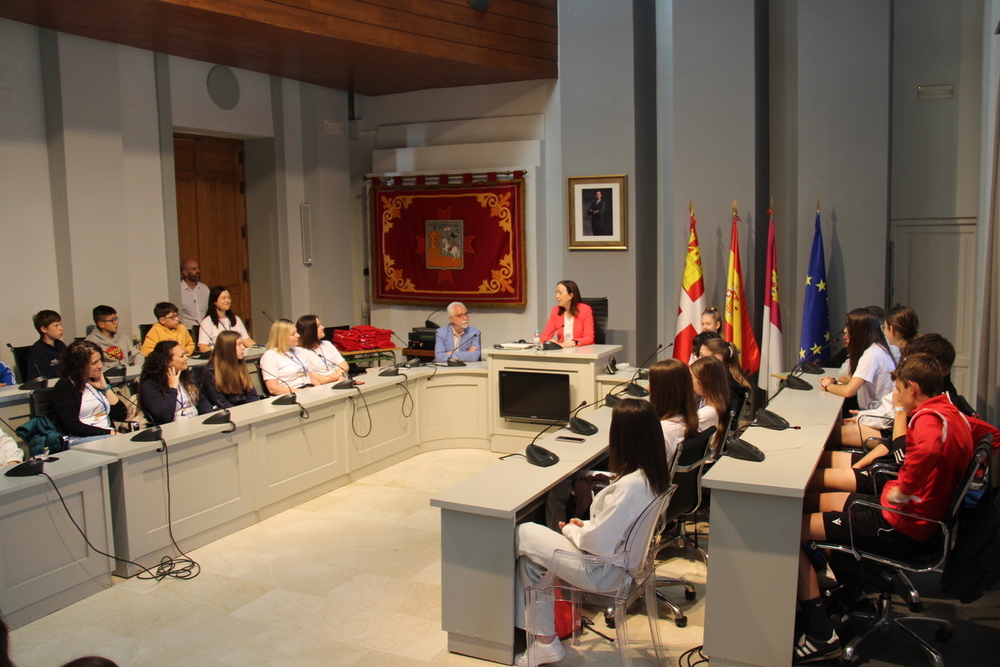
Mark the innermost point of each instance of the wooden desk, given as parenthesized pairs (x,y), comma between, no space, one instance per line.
(45,564)
(756,525)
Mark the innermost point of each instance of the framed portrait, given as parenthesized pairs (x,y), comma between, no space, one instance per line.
(598,213)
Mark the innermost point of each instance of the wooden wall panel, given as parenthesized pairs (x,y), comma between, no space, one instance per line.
(373,47)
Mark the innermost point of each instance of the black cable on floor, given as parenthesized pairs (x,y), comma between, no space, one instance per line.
(687,658)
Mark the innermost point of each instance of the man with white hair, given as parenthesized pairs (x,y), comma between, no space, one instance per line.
(457,340)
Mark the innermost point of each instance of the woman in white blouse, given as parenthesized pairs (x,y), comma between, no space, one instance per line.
(284,367)
(220,318)
(323,359)
(639,464)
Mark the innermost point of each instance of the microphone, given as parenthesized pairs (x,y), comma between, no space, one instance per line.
(579,425)
(632,389)
(737,448)
(431,324)
(813,368)
(37,382)
(268,316)
(221,416)
(551,344)
(286,399)
(407,364)
(452,361)
(150,434)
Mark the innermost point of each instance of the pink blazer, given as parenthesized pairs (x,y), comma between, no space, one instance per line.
(583,325)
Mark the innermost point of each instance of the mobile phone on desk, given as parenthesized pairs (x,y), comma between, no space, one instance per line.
(570,438)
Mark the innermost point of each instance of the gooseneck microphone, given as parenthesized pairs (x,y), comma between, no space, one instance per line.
(812,367)
(287,399)
(793,381)
(150,434)
(268,316)
(37,382)
(452,361)
(631,388)
(431,324)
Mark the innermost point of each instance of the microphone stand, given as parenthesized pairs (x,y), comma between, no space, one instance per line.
(287,399)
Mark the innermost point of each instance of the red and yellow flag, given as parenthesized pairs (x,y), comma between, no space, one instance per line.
(737,328)
(692,299)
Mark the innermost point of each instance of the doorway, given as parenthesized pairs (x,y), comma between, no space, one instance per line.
(211,214)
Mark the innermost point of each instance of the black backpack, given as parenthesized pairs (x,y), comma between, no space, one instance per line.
(973,565)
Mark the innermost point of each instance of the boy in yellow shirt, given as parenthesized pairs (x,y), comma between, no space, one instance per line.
(168,327)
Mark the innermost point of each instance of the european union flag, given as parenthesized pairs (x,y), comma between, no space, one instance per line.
(815,311)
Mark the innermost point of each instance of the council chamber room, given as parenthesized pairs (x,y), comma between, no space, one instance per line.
(460,332)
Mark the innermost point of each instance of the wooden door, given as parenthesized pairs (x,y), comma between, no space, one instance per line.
(211,214)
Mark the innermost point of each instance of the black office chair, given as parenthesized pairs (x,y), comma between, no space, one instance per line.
(878,572)
(193,330)
(264,393)
(689,462)
(143,332)
(20,360)
(599,304)
(41,403)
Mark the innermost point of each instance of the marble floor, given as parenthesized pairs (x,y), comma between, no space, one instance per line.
(351,578)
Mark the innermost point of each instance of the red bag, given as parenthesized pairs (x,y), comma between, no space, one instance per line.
(563,616)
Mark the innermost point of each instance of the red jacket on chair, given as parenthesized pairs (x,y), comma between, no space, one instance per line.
(583,326)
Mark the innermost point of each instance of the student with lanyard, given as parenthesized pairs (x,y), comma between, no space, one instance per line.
(220,318)
(283,367)
(167,390)
(83,402)
(225,381)
(323,359)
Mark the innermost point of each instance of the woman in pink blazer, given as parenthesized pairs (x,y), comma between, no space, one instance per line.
(570,314)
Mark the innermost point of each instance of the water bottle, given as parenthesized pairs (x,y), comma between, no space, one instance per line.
(537,340)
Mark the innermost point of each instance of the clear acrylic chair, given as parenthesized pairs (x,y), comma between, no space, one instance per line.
(628,574)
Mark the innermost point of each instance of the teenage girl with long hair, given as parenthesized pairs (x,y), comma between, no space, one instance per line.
(671,392)
(640,472)
(226,381)
(711,386)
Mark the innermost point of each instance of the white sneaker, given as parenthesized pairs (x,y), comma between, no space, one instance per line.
(545,653)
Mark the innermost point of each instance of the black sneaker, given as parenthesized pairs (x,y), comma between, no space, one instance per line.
(809,649)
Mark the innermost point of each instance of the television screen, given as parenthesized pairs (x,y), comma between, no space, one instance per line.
(534,397)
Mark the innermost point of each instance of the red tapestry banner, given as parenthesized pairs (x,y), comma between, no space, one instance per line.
(435,243)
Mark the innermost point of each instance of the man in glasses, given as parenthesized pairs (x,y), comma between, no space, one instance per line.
(457,340)
(117,347)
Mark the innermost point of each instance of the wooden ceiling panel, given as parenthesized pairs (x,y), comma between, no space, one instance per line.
(373,47)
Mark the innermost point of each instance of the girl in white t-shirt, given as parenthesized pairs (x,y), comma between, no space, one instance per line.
(671,391)
(284,368)
(870,363)
(220,318)
(323,359)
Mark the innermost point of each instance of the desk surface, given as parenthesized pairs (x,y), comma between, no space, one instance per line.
(505,489)
(791,454)
(71,462)
(584,352)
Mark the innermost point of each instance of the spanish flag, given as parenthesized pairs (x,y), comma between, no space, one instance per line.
(692,300)
(770,336)
(737,328)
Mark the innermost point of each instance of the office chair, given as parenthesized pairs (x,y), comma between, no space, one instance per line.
(143,332)
(20,360)
(599,304)
(878,571)
(636,564)
(41,403)
(689,463)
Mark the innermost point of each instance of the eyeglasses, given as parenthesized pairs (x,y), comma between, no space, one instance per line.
(111,321)
(462,316)
(175,316)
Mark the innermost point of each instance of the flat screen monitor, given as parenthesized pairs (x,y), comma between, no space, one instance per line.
(534,397)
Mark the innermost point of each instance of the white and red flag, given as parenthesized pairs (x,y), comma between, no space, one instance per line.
(692,300)
(771,361)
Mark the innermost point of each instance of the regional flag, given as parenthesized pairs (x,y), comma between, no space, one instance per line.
(770,337)
(815,310)
(692,299)
(737,328)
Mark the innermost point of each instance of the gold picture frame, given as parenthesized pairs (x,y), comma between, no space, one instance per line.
(598,212)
